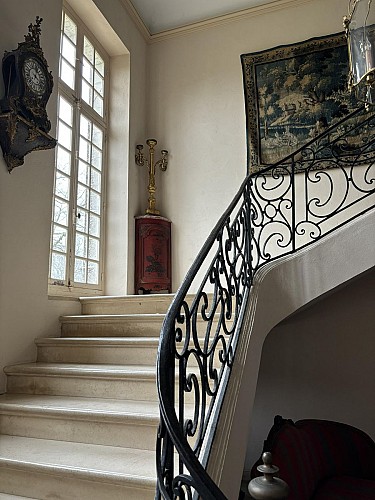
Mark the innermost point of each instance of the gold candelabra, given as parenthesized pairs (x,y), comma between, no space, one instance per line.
(162,163)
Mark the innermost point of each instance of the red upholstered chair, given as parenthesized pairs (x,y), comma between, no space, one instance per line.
(322,460)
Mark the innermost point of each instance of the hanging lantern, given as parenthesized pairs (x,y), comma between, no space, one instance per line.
(360,32)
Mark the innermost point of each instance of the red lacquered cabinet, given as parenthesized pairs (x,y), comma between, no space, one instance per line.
(152,254)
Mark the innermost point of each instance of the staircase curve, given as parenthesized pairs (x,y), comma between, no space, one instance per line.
(294,230)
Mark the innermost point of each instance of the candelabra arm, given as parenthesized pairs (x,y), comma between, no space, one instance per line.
(163,162)
(140,160)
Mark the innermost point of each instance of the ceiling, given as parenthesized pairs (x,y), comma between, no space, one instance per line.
(163,15)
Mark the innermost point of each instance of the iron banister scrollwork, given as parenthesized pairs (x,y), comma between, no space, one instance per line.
(276,211)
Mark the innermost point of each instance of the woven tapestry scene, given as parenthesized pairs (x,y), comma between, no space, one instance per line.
(292,94)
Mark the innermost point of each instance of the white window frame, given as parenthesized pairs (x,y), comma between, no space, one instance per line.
(69,288)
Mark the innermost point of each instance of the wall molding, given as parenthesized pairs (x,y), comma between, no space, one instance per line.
(214,22)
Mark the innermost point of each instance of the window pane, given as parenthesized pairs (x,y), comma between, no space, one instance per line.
(68,50)
(58,266)
(87,71)
(62,186)
(82,196)
(99,83)
(67,73)
(99,64)
(70,29)
(96,158)
(80,271)
(63,160)
(64,135)
(94,202)
(60,212)
(81,245)
(93,273)
(85,128)
(88,50)
(86,92)
(65,111)
(95,180)
(84,149)
(94,226)
(98,104)
(59,238)
(97,136)
(83,173)
(82,221)
(93,249)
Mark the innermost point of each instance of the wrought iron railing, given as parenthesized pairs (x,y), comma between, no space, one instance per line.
(285,207)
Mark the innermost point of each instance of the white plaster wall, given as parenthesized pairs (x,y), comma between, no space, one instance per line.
(25,211)
(319,363)
(26,194)
(196,110)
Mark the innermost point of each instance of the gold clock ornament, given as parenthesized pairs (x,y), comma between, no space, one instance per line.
(24,124)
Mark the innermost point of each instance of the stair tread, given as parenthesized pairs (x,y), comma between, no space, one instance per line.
(97,341)
(86,318)
(114,463)
(82,370)
(6,496)
(148,297)
(80,407)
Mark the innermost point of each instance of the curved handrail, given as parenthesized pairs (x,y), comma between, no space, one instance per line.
(266,219)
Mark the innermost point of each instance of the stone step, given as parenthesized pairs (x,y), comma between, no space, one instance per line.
(113,422)
(75,471)
(108,350)
(6,496)
(112,325)
(127,304)
(86,380)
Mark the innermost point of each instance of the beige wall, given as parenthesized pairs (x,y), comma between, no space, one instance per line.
(197,112)
(319,363)
(26,194)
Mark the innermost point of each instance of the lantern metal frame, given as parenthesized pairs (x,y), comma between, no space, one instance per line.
(361,50)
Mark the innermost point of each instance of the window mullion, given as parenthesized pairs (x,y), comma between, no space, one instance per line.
(75,146)
(73,213)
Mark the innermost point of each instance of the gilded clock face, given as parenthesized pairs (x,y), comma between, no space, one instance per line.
(35,77)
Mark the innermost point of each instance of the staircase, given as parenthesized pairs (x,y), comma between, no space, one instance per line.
(81,422)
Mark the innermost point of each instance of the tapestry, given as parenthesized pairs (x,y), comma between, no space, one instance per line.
(292,93)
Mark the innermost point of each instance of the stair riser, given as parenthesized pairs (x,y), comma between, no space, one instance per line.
(126,305)
(130,355)
(65,486)
(128,435)
(124,388)
(111,329)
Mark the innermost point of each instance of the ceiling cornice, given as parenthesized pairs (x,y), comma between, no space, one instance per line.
(209,23)
(137,19)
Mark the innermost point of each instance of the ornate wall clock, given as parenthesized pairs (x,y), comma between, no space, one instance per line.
(24,124)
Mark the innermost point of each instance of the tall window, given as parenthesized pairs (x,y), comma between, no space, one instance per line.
(77,228)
